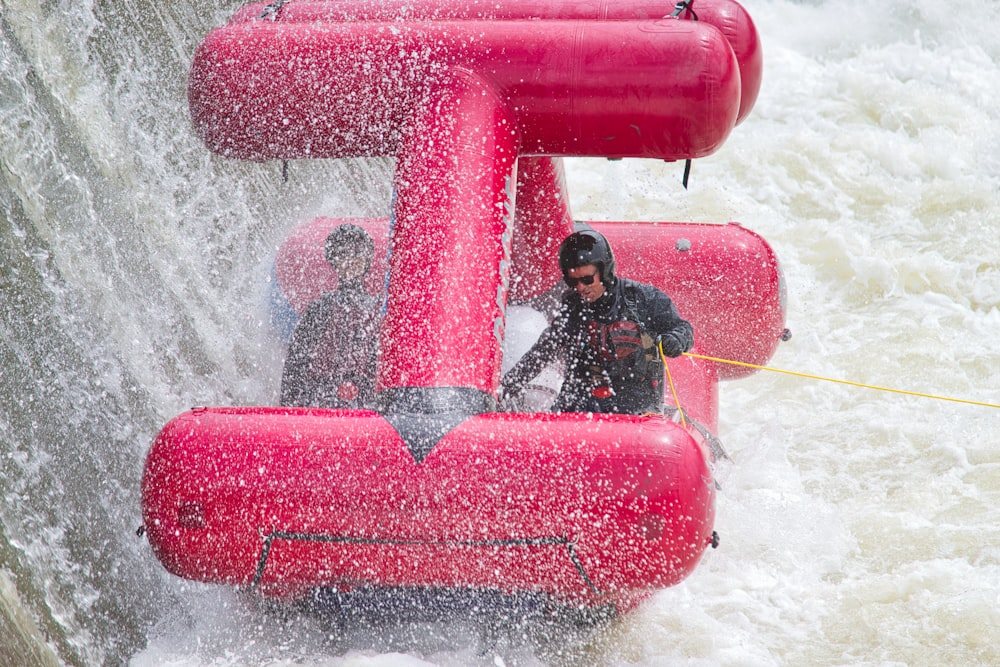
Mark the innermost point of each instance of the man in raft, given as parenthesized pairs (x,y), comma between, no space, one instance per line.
(332,353)
(608,332)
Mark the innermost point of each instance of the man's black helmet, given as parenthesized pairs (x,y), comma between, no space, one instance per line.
(349,240)
(588,247)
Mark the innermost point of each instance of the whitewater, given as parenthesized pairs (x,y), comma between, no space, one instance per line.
(859,526)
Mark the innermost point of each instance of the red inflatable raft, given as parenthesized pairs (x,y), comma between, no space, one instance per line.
(437,489)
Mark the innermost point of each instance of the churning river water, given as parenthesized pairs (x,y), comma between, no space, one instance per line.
(859,526)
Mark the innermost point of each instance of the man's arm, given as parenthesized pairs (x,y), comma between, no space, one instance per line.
(675,334)
(294,376)
(544,352)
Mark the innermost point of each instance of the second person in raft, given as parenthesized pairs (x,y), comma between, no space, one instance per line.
(332,353)
(606,332)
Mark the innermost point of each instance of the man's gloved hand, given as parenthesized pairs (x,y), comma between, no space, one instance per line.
(670,344)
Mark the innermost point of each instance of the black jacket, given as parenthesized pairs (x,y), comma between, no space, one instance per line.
(332,353)
(608,350)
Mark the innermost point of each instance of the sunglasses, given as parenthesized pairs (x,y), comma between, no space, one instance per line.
(586,280)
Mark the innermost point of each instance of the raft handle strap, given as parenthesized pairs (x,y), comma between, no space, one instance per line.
(680,7)
(344,539)
(271,10)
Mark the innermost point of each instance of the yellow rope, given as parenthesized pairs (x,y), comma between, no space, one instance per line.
(826,379)
(670,381)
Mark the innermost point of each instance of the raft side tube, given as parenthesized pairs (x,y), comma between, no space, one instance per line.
(728,16)
(577,506)
(265,90)
(724,278)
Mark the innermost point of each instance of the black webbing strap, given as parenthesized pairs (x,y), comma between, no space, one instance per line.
(271,11)
(680,7)
(343,539)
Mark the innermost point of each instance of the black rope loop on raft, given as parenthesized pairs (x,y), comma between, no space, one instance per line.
(271,10)
(344,539)
(681,6)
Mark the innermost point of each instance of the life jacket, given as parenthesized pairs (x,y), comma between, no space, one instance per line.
(617,368)
(341,368)
(622,353)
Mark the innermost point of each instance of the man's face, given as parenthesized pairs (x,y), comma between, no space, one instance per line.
(349,267)
(578,278)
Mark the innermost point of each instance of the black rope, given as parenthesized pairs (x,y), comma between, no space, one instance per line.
(271,11)
(342,539)
(680,7)
(579,568)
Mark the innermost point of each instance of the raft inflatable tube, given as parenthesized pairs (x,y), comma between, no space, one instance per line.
(319,80)
(728,16)
(592,510)
(437,490)
(724,278)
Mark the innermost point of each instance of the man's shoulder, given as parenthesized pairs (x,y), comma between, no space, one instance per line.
(645,291)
